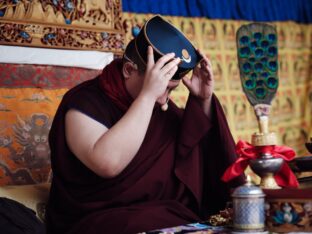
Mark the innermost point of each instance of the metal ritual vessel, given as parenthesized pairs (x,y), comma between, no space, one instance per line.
(248,209)
(257,54)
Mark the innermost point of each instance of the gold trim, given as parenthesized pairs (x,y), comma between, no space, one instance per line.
(268,182)
(263,139)
(149,42)
(136,48)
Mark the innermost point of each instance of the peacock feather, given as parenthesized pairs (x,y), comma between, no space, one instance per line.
(257,59)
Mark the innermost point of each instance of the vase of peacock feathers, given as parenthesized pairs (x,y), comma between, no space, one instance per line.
(257,53)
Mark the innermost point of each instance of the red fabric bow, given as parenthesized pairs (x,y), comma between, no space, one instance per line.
(284,177)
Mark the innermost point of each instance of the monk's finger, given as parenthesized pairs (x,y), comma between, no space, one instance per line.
(150,58)
(168,76)
(163,60)
(170,65)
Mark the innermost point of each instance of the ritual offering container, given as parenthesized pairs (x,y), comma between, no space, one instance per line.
(257,57)
(248,208)
(287,209)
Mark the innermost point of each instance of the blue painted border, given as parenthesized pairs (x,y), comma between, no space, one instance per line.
(252,10)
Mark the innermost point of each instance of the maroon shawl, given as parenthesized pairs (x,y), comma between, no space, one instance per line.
(113,84)
(174,178)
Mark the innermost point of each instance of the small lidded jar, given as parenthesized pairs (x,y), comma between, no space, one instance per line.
(248,208)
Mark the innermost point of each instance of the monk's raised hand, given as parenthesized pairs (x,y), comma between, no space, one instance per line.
(158,75)
(201,83)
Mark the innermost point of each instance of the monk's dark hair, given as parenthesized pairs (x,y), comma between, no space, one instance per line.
(131,55)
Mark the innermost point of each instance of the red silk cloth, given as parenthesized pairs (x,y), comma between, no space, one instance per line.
(245,151)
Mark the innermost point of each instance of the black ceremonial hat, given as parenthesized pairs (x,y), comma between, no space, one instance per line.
(165,38)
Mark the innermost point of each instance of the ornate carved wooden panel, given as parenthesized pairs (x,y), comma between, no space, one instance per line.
(71,24)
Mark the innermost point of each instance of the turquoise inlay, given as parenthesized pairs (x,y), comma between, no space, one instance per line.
(68,21)
(69,6)
(135,31)
(24,35)
(287,215)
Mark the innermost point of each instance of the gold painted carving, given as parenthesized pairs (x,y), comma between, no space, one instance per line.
(71,24)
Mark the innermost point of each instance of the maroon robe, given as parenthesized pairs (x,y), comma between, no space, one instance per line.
(174,178)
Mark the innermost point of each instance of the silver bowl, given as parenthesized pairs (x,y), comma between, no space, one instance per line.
(266,167)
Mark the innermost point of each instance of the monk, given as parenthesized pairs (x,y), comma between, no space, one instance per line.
(125,162)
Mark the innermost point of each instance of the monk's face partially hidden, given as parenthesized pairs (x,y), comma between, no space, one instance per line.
(134,83)
(171,86)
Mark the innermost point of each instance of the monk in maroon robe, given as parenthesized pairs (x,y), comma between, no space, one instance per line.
(123,165)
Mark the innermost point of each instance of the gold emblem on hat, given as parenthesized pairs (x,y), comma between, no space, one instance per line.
(186,56)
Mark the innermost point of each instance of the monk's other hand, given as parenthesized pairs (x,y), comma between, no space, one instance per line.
(201,84)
